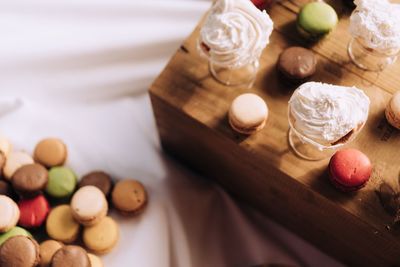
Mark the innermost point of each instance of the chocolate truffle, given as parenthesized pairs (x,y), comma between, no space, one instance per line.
(297,64)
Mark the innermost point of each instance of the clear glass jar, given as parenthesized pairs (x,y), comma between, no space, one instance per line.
(369,59)
(308,149)
(243,76)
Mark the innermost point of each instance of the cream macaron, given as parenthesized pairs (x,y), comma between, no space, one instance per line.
(89,205)
(95,261)
(9,213)
(15,160)
(393,111)
(248,113)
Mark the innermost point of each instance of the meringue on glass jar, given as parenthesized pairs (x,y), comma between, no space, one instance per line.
(323,117)
(375,30)
(233,37)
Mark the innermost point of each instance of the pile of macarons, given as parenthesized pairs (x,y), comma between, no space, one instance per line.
(39,194)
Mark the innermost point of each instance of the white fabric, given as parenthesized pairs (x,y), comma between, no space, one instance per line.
(79,70)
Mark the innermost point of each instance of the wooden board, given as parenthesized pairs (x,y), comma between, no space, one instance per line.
(190,108)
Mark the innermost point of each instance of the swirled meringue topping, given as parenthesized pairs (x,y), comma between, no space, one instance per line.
(235,33)
(326,113)
(377,24)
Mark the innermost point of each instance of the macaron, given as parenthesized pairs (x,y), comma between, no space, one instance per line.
(297,64)
(9,214)
(70,256)
(99,179)
(30,180)
(248,113)
(101,238)
(95,261)
(89,205)
(15,160)
(316,19)
(5,146)
(129,197)
(349,169)
(61,225)
(16,231)
(51,152)
(19,251)
(47,250)
(393,110)
(3,160)
(33,211)
(62,182)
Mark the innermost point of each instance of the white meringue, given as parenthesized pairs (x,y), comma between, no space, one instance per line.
(235,32)
(325,113)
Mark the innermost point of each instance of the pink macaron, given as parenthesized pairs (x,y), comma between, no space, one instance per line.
(349,169)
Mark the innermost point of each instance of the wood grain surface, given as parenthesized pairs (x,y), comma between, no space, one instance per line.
(190,108)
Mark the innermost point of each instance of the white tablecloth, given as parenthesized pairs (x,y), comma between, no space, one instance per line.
(79,70)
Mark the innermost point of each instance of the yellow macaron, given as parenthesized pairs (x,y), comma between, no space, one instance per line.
(61,226)
(102,237)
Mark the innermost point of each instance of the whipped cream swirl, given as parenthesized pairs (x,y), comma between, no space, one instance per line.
(325,113)
(377,24)
(235,33)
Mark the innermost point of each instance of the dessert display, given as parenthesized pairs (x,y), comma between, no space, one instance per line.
(316,19)
(349,170)
(393,110)
(190,113)
(375,28)
(44,195)
(248,113)
(297,64)
(326,116)
(232,37)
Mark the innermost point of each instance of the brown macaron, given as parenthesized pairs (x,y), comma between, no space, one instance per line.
(51,152)
(70,256)
(47,250)
(297,64)
(99,179)
(30,180)
(19,251)
(129,197)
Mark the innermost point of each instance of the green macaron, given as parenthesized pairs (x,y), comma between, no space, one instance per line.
(316,19)
(62,182)
(13,232)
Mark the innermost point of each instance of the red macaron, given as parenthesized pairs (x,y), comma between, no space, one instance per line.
(33,211)
(349,169)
